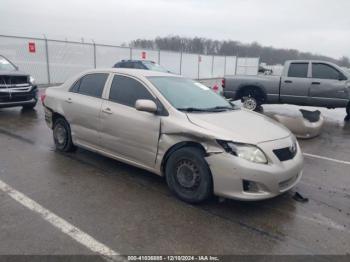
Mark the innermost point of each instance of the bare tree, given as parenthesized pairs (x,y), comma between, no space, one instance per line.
(268,54)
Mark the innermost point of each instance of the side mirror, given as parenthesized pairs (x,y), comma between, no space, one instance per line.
(146,106)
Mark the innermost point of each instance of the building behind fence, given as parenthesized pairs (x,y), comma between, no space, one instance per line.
(54,61)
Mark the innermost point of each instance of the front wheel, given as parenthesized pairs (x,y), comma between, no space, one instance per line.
(250,103)
(252,99)
(188,175)
(347,117)
(62,136)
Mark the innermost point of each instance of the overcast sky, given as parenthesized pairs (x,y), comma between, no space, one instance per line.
(319,26)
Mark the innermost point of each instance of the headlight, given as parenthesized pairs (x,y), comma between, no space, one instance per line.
(31,80)
(248,152)
(294,147)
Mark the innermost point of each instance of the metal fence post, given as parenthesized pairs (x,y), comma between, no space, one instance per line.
(130,53)
(47,60)
(199,65)
(159,56)
(236,65)
(181,62)
(94,48)
(212,66)
(225,66)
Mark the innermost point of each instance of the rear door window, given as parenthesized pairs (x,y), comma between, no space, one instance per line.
(324,71)
(298,70)
(126,91)
(91,85)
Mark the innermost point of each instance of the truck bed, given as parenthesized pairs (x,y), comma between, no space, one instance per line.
(234,83)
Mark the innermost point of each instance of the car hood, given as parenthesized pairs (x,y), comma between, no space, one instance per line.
(13,73)
(240,126)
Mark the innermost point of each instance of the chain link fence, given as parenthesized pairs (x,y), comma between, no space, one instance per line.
(54,61)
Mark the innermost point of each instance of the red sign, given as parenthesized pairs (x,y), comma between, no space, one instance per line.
(31,47)
(143,55)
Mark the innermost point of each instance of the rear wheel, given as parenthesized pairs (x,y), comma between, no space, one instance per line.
(62,136)
(188,175)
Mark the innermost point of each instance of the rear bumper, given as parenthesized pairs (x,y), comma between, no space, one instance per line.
(17,98)
(48,117)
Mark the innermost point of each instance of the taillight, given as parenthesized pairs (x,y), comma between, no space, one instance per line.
(42,97)
(223,82)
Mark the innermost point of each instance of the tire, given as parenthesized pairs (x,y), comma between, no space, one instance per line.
(188,175)
(252,99)
(347,117)
(29,106)
(62,136)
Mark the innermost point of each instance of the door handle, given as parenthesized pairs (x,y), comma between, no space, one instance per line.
(316,83)
(288,82)
(69,100)
(107,110)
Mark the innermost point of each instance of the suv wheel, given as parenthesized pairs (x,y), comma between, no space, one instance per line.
(29,106)
(188,175)
(62,136)
(347,117)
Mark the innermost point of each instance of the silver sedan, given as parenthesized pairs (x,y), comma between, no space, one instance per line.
(177,128)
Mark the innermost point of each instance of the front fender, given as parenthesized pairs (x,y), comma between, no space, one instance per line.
(173,133)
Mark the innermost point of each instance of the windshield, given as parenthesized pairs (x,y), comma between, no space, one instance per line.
(154,67)
(188,95)
(5,65)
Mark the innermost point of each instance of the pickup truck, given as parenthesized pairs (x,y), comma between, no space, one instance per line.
(305,83)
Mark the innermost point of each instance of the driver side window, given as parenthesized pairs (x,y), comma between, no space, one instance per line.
(126,91)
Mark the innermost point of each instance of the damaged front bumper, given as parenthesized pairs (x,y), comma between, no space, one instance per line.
(236,178)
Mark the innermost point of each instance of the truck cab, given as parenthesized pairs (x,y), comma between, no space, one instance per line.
(314,83)
(303,82)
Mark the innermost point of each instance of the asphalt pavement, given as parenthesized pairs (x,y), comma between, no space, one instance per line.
(131,211)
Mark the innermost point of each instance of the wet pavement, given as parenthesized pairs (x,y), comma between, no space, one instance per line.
(132,212)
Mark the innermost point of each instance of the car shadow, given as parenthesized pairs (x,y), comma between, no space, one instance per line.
(267,218)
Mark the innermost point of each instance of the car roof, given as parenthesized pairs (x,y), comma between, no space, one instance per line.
(135,60)
(132,72)
(307,61)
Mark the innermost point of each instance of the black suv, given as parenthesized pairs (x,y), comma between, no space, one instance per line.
(16,88)
(141,64)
